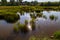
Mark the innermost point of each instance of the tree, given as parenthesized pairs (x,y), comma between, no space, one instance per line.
(4,2)
(12,2)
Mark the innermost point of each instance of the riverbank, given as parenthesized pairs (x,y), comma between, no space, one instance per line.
(14,9)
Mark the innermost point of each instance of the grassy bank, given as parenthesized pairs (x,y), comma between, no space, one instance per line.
(15,9)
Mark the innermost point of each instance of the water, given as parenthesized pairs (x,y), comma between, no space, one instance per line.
(44,27)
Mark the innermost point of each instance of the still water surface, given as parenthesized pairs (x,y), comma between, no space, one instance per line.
(44,27)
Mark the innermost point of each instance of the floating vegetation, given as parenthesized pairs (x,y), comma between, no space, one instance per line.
(39,14)
(44,16)
(26,22)
(32,22)
(57,35)
(33,16)
(16,29)
(10,18)
(23,28)
(52,17)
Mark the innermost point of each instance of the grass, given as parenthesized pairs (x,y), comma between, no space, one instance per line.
(15,9)
(32,22)
(39,14)
(40,38)
(44,16)
(16,29)
(9,17)
(23,28)
(26,22)
(57,35)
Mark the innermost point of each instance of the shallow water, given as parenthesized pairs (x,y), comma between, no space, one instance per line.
(44,27)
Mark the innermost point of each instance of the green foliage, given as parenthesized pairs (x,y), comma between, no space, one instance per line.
(10,18)
(44,16)
(57,35)
(33,16)
(32,22)
(52,17)
(39,14)
(26,22)
(16,29)
(23,28)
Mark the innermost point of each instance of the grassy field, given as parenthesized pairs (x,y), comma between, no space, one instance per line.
(14,9)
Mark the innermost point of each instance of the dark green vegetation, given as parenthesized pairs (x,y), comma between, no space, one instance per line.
(52,17)
(21,27)
(10,18)
(32,3)
(22,9)
(32,22)
(57,35)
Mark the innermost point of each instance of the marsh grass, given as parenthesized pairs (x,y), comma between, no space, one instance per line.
(39,14)
(23,28)
(52,17)
(44,16)
(15,29)
(9,17)
(57,35)
(32,22)
(33,16)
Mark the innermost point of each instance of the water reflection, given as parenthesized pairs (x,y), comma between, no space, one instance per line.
(41,24)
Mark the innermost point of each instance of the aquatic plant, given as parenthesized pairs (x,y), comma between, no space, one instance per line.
(32,22)
(52,17)
(23,28)
(33,16)
(11,18)
(57,35)
(15,29)
(44,16)
(26,22)
(39,14)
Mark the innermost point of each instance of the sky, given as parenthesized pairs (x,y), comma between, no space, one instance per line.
(41,0)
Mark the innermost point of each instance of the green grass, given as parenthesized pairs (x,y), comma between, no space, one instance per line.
(9,17)
(32,22)
(57,35)
(15,9)
(15,29)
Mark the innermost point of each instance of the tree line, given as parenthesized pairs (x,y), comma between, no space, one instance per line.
(32,3)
